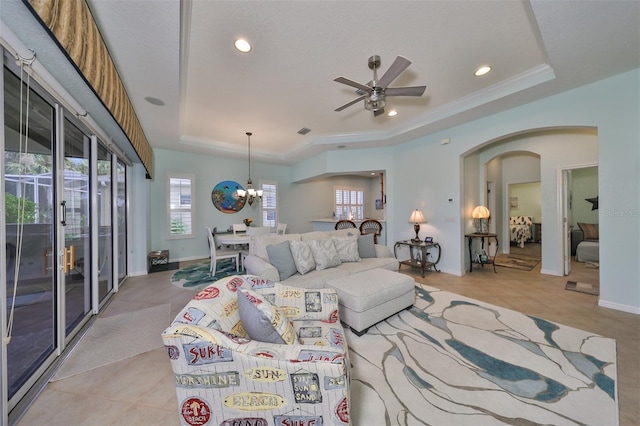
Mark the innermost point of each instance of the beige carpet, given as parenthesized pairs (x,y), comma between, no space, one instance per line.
(521,262)
(127,335)
(583,287)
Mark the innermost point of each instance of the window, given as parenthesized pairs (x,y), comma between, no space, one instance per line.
(349,203)
(269,203)
(180,190)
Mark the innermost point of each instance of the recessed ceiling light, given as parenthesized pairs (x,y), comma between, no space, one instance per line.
(482,71)
(392,113)
(154,101)
(242,45)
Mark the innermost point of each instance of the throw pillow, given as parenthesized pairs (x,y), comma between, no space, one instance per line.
(263,321)
(366,247)
(280,257)
(347,248)
(324,253)
(590,231)
(302,256)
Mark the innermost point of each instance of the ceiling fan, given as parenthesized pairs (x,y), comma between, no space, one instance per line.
(375,92)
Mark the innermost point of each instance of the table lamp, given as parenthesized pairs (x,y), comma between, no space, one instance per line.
(416,218)
(480,217)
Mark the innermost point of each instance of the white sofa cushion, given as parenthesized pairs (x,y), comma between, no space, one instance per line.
(302,256)
(315,278)
(389,263)
(324,253)
(347,248)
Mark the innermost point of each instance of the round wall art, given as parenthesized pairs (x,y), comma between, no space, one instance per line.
(225,197)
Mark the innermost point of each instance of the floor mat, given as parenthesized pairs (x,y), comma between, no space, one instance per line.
(115,338)
(583,287)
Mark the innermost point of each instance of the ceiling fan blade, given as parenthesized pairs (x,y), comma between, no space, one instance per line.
(405,91)
(399,65)
(378,112)
(352,83)
(349,104)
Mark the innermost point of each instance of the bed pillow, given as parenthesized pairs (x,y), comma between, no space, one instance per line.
(302,256)
(324,253)
(347,248)
(263,321)
(590,231)
(280,257)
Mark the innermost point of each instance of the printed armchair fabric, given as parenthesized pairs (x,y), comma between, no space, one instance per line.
(520,227)
(224,378)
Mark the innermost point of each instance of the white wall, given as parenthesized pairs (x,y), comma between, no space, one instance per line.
(527,200)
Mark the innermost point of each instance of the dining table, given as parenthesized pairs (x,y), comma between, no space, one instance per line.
(232,239)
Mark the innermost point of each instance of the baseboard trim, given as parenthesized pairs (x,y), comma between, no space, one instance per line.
(619,307)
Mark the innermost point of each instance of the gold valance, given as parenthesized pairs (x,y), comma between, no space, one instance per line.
(72,24)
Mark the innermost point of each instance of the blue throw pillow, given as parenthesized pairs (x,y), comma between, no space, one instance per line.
(280,257)
(263,321)
(366,247)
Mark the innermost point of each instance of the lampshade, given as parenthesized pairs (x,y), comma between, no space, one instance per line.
(417,217)
(480,212)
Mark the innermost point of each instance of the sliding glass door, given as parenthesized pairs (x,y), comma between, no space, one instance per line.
(31,281)
(76,226)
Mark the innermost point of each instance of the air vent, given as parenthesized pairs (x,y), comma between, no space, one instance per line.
(304,131)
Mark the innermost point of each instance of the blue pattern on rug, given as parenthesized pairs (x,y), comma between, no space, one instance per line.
(454,360)
(197,276)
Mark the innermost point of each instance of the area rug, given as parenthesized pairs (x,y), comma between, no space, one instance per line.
(196,276)
(115,338)
(583,287)
(516,262)
(452,360)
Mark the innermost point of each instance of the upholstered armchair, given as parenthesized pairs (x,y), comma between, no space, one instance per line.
(222,376)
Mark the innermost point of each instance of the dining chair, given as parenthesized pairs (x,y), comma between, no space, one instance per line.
(281,229)
(258,230)
(371,226)
(239,227)
(345,224)
(217,254)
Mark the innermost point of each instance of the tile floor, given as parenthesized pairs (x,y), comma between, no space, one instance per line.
(140,390)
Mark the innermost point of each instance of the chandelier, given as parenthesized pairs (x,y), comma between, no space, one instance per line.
(250,193)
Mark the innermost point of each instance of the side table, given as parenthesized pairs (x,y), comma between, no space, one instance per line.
(158,257)
(480,258)
(419,253)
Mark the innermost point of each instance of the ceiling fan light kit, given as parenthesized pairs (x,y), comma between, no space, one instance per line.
(376,91)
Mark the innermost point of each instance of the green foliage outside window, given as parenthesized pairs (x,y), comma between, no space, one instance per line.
(12,212)
(178,226)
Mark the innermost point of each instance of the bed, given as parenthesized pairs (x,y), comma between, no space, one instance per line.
(585,242)
(520,229)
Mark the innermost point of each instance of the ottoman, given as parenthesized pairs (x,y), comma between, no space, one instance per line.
(368,297)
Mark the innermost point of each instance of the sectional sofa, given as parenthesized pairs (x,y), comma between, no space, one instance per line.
(310,260)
